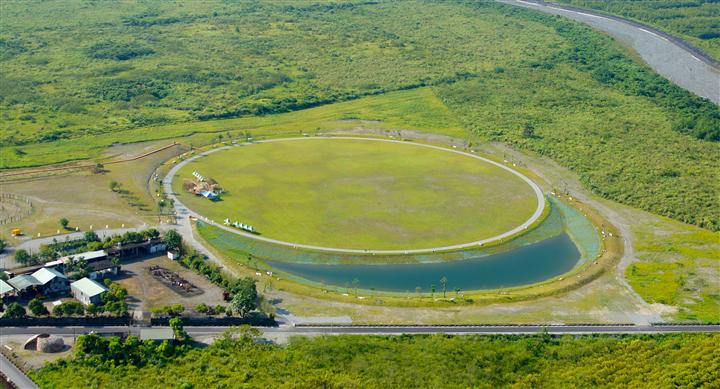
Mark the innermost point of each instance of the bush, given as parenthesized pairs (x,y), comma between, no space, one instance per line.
(123,89)
(118,51)
(69,308)
(23,257)
(202,308)
(169,310)
(37,307)
(15,311)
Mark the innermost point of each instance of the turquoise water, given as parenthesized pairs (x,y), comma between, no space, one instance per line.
(525,265)
(565,239)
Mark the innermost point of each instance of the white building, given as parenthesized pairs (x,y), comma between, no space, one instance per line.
(51,280)
(88,291)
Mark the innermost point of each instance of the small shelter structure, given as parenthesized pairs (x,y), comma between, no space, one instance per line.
(24,283)
(45,343)
(157,334)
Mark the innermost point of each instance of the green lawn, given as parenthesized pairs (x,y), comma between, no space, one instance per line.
(361,194)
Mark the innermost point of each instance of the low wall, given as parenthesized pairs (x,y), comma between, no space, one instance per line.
(65,321)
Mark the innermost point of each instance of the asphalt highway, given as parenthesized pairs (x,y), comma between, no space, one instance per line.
(670,56)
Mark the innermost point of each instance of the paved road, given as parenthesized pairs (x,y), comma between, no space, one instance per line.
(14,374)
(669,56)
(391,329)
(183,211)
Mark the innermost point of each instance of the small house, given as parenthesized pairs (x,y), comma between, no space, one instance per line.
(88,291)
(50,281)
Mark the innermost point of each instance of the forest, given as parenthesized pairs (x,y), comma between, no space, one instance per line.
(129,72)
(697,21)
(238,359)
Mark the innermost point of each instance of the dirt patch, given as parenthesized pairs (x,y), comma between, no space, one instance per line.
(173,281)
(146,292)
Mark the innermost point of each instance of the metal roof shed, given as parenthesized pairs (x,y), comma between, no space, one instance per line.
(5,288)
(157,334)
(47,274)
(88,287)
(23,282)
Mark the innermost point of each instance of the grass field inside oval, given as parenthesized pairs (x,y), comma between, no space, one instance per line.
(359,194)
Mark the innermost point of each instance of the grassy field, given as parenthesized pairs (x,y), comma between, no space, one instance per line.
(679,266)
(85,198)
(361,194)
(693,20)
(417,109)
(143,64)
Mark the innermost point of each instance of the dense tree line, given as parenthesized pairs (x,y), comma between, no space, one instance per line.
(418,361)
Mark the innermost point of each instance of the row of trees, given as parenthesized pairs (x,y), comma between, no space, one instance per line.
(437,361)
(90,242)
(243,290)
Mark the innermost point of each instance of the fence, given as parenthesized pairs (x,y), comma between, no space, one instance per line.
(23,204)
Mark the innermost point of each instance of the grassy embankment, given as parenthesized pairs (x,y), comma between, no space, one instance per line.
(413,109)
(639,361)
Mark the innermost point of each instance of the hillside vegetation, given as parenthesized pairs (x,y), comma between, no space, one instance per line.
(92,67)
(691,360)
(79,76)
(697,21)
(606,117)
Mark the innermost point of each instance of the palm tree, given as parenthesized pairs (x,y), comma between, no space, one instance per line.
(355,284)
